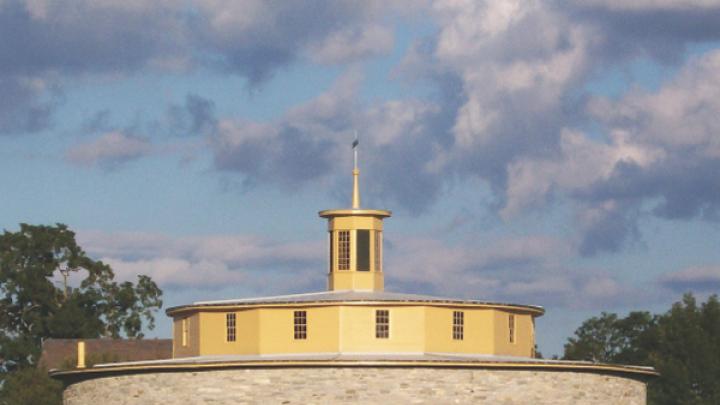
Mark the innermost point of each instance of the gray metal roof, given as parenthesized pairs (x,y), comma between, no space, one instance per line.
(349,296)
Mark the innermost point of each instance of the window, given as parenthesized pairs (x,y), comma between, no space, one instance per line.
(511,327)
(458,329)
(230,327)
(300,322)
(382,324)
(184,331)
(378,251)
(331,251)
(362,249)
(344,250)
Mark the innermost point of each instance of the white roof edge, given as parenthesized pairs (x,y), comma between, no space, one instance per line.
(272,297)
(365,356)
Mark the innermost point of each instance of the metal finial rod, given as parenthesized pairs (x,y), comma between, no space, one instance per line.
(356,174)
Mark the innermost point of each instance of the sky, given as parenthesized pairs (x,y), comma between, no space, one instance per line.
(555,153)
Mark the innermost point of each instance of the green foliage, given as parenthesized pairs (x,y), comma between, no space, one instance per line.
(538,353)
(609,339)
(683,345)
(31,386)
(688,354)
(33,307)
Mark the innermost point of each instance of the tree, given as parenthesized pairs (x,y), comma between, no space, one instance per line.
(687,355)
(609,339)
(32,307)
(31,386)
(683,345)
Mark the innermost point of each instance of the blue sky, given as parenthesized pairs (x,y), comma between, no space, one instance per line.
(562,154)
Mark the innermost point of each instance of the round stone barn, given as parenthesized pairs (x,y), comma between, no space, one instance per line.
(354,342)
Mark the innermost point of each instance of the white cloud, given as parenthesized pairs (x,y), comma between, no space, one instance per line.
(659,149)
(173,272)
(682,113)
(394,121)
(467,25)
(352,44)
(530,270)
(583,161)
(509,79)
(256,37)
(698,279)
(110,150)
(525,269)
(212,261)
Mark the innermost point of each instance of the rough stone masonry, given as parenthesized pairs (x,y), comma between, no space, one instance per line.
(360,385)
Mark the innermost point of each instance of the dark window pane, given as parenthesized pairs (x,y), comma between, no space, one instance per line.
(332,265)
(363,250)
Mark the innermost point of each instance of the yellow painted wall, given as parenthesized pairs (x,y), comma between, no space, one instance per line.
(478,336)
(351,329)
(214,338)
(355,222)
(357,329)
(524,340)
(276,330)
(192,348)
(356,280)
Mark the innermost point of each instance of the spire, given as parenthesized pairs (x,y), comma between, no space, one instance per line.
(356,175)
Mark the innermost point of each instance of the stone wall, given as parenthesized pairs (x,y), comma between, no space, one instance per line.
(367,385)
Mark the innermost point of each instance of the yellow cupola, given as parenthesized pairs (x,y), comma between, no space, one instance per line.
(355,243)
